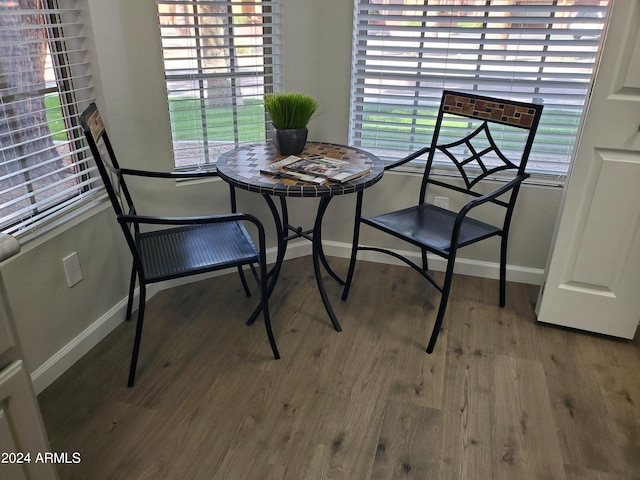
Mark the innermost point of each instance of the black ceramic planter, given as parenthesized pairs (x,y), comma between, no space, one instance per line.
(289,142)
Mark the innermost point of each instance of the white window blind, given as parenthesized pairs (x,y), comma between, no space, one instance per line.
(407,51)
(219,61)
(45,165)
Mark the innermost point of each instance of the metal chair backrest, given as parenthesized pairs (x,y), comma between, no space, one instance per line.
(497,139)
(105,158)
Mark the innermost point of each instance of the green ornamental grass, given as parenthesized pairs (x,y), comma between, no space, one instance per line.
(290,110)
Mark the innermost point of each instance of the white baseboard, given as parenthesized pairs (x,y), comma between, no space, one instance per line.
(55,366)
(73,351)
(464,266)
(62,360)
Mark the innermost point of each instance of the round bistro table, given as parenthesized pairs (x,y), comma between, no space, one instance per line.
(241,168)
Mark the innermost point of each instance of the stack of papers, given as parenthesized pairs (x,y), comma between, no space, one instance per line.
(316,169)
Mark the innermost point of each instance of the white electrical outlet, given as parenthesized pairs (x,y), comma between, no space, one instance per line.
(72,269)
(442,202)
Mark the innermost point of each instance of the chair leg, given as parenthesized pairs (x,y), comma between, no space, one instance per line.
(425,262)
(234,209)
(132,289)
(503,271)
(354,247)
(446,288)
(247,292)
(138,337)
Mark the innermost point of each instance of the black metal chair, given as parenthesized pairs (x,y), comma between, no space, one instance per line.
(475,160)
(175,247)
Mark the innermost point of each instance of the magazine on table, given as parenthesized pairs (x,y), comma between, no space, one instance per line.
(280,169)
(325,167)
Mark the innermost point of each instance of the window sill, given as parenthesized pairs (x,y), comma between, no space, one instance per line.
(63,221)
(534,180)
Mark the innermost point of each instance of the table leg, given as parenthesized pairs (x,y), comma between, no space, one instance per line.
(280,222)
(282,247)
(319,258)
(328,268)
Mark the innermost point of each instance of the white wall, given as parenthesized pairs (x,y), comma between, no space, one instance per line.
(49,315)
(130,92)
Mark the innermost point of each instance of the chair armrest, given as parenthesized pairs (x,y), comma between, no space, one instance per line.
(494,194)
(476,202)
(408,158)
(154,220)
(154,174)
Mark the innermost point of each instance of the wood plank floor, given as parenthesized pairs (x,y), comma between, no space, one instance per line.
(502,397)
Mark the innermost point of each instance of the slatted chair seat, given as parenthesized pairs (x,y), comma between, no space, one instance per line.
(193,249)
(432,226)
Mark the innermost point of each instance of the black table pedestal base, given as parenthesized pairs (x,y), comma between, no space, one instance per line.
(314,235)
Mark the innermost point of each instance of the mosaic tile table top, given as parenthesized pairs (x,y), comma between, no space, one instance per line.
(241,168)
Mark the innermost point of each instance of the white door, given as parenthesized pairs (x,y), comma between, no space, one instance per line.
(593,276)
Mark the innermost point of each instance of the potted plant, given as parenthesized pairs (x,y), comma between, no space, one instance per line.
(290,113)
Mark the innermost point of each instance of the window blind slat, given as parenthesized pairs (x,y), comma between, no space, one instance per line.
(56,160)
(49,186)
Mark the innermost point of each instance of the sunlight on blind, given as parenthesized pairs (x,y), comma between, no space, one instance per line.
(406,52)
(219,61)
(45,164)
